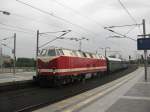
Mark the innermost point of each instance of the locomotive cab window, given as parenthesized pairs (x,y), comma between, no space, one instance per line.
(43,52)
(51,52)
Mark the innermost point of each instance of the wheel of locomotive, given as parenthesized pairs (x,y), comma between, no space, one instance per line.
(82,78)
(43,83)
(57,83)
(94,75)
(71,79)
(35,80)
(98,75)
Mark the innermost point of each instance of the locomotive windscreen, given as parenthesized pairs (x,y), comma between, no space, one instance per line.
(51,52)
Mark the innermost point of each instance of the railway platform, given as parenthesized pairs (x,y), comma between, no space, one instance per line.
(130,93)
(8,78)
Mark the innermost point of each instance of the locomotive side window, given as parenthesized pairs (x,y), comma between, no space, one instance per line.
(94,56)
(51,52)
(100,57)
(74,53)
(78,53)
(87,55)
(59,52)
(97,56)
(91,55)
(84,54)
(67,53)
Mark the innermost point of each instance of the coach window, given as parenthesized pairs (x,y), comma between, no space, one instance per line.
(52,52)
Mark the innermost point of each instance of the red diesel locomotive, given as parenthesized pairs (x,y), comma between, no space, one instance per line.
(61,66)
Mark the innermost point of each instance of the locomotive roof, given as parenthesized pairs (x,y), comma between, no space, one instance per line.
(53,47)
(113,59)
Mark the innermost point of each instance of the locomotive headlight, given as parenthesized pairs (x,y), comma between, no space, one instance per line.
(54,70)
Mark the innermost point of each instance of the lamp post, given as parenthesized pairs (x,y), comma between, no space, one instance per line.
(1,55)
(5,13)
(116,36)
(145,51)
(14,52)
(14,49)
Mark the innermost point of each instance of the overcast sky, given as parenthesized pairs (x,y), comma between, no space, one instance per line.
(86,18)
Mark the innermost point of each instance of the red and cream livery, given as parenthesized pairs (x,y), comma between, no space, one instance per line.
(66,65)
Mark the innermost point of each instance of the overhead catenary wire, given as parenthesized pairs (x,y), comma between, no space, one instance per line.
(17,27)
(121,35)
(57,17)
(123,6)
(14,30)
(38,21)
(64,41)
(130,30)
(133,19)
(3,36)
(123,26)
(118,45)
(5,45)
(7,38)
(79,13)
(53,39)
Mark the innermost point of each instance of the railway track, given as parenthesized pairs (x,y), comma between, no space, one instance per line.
(35,97)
